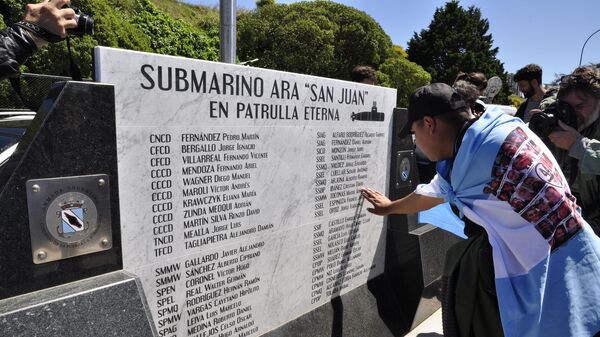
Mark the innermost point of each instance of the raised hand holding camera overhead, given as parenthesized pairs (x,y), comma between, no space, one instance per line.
(45,22)
(53,16)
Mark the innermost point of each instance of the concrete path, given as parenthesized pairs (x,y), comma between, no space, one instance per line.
(431,327)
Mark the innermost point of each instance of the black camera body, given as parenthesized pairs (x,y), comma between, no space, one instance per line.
(85,23)
(545,122)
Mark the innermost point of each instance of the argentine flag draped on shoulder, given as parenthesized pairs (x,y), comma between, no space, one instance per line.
(546,257)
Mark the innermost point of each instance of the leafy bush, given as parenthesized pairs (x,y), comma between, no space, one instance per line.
(317,38)
(404,75)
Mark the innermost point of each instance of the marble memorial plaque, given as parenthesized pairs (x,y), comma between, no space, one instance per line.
(239,189)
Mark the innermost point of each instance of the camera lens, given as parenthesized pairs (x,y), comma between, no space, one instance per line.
(85,25)
(543,123)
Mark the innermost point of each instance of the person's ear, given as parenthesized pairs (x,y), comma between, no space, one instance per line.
(429,123)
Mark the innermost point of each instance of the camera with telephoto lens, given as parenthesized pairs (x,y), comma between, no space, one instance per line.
(85,23)
(545,122)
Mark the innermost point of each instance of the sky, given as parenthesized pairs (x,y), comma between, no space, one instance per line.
(550,33)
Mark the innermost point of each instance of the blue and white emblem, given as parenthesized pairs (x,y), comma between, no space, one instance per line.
(405,169)
(72,219)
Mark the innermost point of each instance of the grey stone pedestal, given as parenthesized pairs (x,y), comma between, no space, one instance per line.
(107,305)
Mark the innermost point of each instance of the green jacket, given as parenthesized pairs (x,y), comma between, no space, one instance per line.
(586,186)
(587,182)
(588,177)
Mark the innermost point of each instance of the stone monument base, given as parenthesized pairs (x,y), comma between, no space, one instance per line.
(365,311)
(108,305)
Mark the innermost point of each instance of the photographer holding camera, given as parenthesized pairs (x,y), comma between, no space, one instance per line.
(572,124)
(42,23)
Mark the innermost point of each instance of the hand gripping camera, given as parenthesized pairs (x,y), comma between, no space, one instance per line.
(85,23)
(545,122)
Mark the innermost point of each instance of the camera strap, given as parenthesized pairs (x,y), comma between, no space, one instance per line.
(73,68)
(39,31)
(15,82)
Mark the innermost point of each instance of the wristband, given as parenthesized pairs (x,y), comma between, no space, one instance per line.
(39,31)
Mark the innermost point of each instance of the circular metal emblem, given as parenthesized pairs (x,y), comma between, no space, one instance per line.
(71,219)
(405,169)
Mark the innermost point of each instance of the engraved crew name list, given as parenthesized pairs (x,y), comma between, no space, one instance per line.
(239,189)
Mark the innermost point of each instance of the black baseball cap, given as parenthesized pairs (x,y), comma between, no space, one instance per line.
(431,100)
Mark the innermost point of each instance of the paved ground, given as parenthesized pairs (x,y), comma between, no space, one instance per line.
(431,327)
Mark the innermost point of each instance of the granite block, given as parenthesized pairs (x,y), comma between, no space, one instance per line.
(108,305)
(414,264)
(72,134)
(364,311)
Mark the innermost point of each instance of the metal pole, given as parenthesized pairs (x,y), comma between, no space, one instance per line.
(228,30)
(586,41)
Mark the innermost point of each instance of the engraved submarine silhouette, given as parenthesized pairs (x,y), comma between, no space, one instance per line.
(73,220)
(372,115)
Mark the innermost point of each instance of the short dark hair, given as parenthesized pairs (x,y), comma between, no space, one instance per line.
(528,73)
(361,73)
(477,79)
(583,79)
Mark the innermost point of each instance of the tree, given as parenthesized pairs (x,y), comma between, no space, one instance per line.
(317,38)
(404,75)
(457,39)
(130,24)
(262,3)
(398,51)
(174,37)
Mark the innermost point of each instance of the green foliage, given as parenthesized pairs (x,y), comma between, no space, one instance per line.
(204,18)
(12,10)
(174,37)
(515,100)
(457,39)
(317,38)
(262,3)
(398,51)
(404,75)
(128,24)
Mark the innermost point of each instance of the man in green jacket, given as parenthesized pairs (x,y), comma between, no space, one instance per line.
(578,150)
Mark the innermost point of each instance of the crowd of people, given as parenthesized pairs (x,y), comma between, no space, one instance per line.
(530,203)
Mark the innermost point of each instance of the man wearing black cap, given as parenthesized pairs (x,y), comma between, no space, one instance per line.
(518,214)
(439,118)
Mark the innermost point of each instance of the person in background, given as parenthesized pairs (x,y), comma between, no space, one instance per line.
(577,150)
(43,22)
(476,78)
(470,94)
(364,74)
(529,81)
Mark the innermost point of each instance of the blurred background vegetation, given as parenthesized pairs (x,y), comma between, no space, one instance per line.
(321,38)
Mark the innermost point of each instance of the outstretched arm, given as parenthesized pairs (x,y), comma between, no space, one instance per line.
(18,44)
(51,16)
(412,203)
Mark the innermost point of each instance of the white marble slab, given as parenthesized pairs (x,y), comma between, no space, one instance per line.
(239,188)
